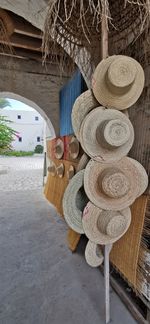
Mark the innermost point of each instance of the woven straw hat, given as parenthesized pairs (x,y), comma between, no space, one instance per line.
(83,104)
(70,172)
(74,148)
(59,148)
(118,82)
(114,186)
(74,201)
(52,169)
(60,170)
(105,226)
(110,137)
(93,254)
(82,162)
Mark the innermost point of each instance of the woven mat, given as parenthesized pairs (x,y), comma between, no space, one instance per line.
(55,186)
(125,252)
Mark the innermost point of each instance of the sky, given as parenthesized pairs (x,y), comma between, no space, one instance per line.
(18,105)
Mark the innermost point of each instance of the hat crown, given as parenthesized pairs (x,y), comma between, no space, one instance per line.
(111,223)
(114,183)
(121,72)
(113,133)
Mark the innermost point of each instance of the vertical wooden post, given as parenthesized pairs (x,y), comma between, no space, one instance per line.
(107,248)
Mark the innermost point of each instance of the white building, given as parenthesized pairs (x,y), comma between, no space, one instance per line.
(29,125)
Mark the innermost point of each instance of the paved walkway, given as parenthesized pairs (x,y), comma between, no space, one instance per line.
(41,281)
(23,173)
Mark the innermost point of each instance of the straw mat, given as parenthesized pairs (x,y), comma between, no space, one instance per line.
(125,252)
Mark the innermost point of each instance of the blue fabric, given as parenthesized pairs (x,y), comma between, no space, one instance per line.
(68,95)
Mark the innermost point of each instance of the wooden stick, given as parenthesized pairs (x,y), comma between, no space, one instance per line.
(107,248)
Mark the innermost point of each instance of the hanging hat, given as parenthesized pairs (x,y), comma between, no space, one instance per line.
(70,172)
(106,135)
(83,104)
(60,170)
(93,254)
(59,148)
(82,162)
(105,226)
(118,82)
(52,169)
(74,201)
(116,185)
(74,148)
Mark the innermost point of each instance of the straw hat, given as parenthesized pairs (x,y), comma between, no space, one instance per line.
(114,186)
(74,148)
(74,201)
(93,254)
(110,137)
(52,169)
(59,148)
(82,162)
(105,226)
(60,170)
(70,172)
(118,82)
(83,104)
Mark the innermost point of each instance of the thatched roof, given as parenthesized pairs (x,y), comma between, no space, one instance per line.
(77,23)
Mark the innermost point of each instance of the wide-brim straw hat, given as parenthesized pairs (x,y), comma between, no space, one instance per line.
(74,148)
(106,135)
(52,169)
(118,82)
(83,104)
(59,148)
(93,254)
(114,186)
(82,162)
(105,226)
(74,201)
(60,170)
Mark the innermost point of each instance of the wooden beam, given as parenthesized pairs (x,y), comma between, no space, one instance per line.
(23,42)
(27,29)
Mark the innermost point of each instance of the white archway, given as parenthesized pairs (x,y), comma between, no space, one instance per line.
(50,132)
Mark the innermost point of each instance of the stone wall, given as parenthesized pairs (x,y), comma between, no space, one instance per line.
(39,84)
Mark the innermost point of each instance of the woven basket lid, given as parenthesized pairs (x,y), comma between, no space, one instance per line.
(106,135)
(60,170)
(74,201)
(118,82)
(114,186)
(105,226)
(59,148)
(52,169)
(83,104)
(93,254)
(74,148)
(82,162)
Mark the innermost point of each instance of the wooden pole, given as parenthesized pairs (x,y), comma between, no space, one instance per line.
(107,248)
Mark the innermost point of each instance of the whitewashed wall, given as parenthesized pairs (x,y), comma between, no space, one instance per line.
(27,127)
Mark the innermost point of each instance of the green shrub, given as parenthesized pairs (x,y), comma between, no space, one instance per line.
(38,149)
(18,153)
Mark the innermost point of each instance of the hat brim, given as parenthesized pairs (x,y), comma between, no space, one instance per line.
(137,178)
(89,220)
(59,143)
(74,202)
(74,155)
(93,254)
(88,135)
(83,104)
(60,170)
(109,99)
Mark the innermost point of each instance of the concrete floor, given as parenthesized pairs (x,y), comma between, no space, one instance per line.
(41,281)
